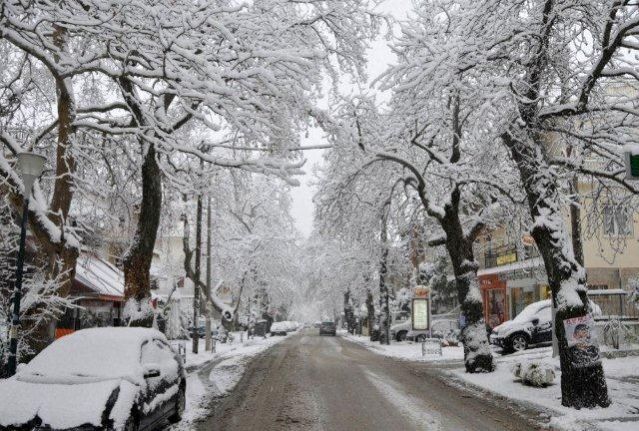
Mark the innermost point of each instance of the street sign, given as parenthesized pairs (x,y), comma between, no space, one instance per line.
(420,314)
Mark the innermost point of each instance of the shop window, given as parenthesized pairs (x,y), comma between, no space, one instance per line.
(617,220)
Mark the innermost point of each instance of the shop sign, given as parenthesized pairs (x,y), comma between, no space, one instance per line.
(421,292)
(420,314)
(506,259)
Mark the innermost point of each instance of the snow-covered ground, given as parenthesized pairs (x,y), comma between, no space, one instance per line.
(406,350)
(228,365)
(622,375)
(623,383)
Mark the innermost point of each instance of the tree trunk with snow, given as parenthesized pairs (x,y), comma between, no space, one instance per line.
(575,221)
(370,312)
(582,378)
(137,262)
(384,318)
(477,352)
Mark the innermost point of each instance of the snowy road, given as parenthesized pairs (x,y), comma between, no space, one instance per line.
(323,383)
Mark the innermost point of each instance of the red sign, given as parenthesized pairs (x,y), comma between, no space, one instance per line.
(422,292)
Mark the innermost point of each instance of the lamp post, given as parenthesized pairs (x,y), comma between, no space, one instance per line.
(30,167)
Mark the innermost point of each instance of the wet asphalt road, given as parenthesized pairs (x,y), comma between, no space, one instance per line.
(309,382)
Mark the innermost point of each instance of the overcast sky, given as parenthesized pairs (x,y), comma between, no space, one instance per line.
(379,57)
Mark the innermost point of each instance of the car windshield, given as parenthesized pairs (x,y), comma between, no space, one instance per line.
(531,312)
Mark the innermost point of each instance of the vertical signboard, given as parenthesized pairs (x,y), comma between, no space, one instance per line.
(420,315)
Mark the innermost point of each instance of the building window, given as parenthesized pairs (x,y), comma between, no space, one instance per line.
(617,220)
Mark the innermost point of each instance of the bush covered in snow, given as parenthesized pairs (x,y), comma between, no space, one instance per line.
(536,374)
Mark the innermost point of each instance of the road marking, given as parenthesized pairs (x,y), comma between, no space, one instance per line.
(411,407)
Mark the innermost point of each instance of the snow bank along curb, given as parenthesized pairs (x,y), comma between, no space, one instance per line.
(622,376)
(407,351)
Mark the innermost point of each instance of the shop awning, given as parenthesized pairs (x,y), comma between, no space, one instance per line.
(102,279)
(524,264)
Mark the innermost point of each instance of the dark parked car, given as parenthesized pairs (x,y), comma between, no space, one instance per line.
(328,328)
(97,379)
(533,325)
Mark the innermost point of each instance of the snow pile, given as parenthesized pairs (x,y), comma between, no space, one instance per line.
(622,376)
(534,373)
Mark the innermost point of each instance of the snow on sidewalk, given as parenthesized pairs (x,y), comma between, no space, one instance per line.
(406,350)
(623,384)
(229,362)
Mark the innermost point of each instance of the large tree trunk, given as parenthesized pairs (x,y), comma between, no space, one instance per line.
(582,378)
(137,262)
(477,352)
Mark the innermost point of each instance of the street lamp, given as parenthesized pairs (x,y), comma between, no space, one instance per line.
(30,167)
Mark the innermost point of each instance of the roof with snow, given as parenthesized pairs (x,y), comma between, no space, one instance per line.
(100,277)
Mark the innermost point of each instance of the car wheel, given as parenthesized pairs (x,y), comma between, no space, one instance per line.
(519,342)
(421,338)
(180,406)
(401,336)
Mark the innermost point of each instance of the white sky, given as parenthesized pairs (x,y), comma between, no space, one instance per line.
(379,57)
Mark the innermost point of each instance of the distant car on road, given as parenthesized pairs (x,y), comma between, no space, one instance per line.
(328,328)
(279,328)
(97,379)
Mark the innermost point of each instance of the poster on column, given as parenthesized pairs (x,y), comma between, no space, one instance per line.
(582,341)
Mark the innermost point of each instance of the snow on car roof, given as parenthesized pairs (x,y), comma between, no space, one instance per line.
(95,352)
(530,310)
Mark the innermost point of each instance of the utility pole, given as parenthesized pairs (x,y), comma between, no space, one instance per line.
(196,287)
(207,343)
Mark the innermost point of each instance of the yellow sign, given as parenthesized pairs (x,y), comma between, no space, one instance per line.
(506,259)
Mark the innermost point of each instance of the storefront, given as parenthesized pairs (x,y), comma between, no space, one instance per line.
(494,295)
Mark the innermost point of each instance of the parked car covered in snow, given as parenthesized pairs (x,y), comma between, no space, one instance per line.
(445,329)
(533,325)
(97,379)
(279,328)
(400,330)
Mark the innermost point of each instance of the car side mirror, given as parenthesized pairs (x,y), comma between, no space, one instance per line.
(151,370)
(535,322)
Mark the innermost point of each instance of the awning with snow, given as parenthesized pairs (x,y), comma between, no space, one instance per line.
(99,279)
